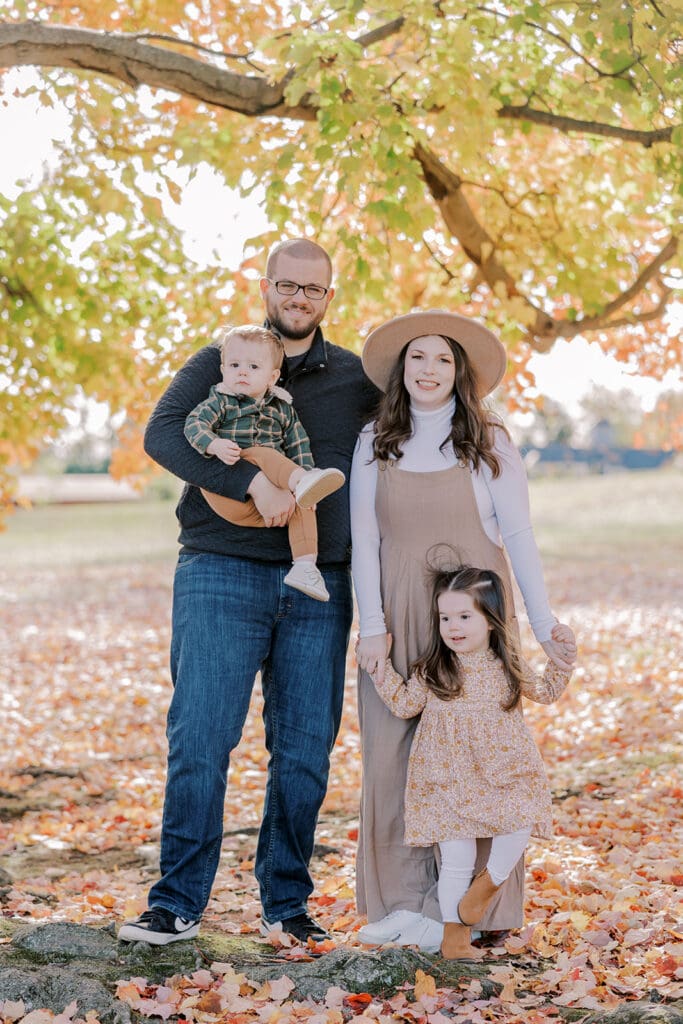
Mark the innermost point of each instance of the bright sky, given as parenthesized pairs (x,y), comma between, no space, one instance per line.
(565,374)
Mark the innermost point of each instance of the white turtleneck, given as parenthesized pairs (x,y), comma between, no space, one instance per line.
(503,504)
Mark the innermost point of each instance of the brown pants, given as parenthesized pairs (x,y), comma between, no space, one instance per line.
(302,526)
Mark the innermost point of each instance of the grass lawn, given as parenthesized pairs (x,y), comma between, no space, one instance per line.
(634,516)
(52,536)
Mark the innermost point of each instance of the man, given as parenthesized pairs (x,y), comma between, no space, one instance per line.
(233,617)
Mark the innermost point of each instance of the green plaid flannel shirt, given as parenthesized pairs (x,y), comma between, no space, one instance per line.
(269,423)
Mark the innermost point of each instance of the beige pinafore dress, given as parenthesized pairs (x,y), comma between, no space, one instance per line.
(415,512)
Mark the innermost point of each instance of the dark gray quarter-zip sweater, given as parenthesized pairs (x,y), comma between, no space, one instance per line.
(333,398)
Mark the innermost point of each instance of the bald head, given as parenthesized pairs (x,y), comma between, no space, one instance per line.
(297,249)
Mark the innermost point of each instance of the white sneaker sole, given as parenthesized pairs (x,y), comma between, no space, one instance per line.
(132,933)
(376,940)
(330,482)
(378,932)
(315,594)
(425,947)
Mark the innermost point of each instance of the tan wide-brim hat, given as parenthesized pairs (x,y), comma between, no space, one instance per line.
(484,350)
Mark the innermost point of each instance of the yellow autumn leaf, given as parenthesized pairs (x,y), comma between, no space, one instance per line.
(580,920)
(424,985)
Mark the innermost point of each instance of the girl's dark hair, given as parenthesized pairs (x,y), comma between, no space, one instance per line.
(440,667)
(471,426)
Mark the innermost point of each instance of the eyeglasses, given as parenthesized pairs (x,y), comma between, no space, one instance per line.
(311,291)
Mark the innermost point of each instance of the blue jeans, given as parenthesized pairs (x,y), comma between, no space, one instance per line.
(233,617)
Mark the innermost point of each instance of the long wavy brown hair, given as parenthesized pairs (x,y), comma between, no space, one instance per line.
(439,667)
(471,427)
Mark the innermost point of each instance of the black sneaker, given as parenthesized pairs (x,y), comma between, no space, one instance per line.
(302,927)
(158,926)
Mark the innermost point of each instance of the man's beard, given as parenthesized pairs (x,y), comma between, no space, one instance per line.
(294,333)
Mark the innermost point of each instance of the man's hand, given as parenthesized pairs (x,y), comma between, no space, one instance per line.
(275,504)
(372,653)
(561,648)
(227,451)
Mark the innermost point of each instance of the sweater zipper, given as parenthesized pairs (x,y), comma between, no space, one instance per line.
(299,372)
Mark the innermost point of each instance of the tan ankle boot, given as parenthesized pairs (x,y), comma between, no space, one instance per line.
(476,900)
(456,943)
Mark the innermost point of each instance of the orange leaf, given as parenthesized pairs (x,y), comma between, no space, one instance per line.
(326,946)
(667,966)
(340,923)
(210,1002)
(358,1002)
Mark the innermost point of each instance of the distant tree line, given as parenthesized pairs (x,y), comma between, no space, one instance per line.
(611,418)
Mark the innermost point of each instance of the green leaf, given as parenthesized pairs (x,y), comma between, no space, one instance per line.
(295,91)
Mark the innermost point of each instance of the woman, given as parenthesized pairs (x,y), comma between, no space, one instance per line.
(435,470)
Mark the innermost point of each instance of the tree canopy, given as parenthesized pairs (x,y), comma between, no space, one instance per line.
(519,161)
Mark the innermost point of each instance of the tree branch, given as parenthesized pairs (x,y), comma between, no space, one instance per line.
(445,188)
(604,320)
(599,324)
(646,275)
(16,289)
(558,38)
(570,124)
(198,47)
(377,35)
(135,63)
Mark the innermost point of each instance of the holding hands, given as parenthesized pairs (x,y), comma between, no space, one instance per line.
(372,653)
(561,648)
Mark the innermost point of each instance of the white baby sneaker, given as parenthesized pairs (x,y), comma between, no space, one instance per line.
(306,577)
(316,484)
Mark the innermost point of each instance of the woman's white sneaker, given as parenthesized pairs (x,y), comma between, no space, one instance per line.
(388,928)
(426,934)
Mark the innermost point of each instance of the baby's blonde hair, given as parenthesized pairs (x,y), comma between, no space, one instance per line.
(256,333)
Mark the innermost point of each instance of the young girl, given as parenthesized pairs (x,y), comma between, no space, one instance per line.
(474,770)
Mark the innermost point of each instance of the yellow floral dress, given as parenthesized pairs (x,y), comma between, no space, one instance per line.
(474,769)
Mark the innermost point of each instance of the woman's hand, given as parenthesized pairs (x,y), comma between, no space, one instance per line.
(371,654)
(561,648)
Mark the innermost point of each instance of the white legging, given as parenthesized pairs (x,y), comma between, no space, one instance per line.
(457,866)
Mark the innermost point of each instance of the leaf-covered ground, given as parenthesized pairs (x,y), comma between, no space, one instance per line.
(84,688)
